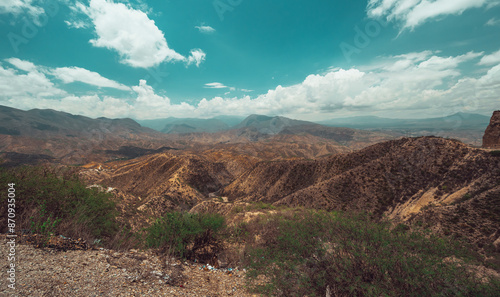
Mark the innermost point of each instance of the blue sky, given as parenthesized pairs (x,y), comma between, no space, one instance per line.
(311,60)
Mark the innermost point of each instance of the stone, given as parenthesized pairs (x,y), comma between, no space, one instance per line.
(491,138)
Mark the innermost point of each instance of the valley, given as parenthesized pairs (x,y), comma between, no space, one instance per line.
(262,172)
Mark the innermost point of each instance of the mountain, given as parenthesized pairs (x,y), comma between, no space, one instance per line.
(403,179)
(51,136)
(466,127)
(491,138)
(43,134)
(46,122)
(190,125)
(195,126)
(269,125)
(231,121)
(456,121)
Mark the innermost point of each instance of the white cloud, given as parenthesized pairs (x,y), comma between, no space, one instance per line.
(493,22)
(21,64)
(413,13)
(494,58)
(132,34)
(411,85)
(77,24)
(28,85)
(18,7)
(34,84)
(205,29)
(72,74)
(197,56)
(215,85)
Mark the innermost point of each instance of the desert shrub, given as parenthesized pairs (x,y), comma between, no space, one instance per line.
(51,202)
(260,206)
(186,235)
(495,153)
(304,253)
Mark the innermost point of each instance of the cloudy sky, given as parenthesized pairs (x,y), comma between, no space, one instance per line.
(310,60)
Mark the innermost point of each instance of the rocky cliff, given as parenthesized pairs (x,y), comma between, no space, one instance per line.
(491,138)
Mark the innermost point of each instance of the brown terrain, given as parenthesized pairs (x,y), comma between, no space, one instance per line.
(491,138)
(439,182)
(31,137)
(429,181)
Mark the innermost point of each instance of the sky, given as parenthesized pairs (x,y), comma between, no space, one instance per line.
(310,60)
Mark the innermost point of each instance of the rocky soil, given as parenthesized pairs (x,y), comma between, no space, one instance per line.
(101,272)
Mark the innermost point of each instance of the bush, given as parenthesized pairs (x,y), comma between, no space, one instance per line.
(50,202)
(189,236)
(304,253)
(495,153)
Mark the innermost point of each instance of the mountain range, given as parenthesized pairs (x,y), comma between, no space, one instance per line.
(444,184)
(48,135)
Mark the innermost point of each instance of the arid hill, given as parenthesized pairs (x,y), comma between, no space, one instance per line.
(491,138)
(426,180)
(403,179)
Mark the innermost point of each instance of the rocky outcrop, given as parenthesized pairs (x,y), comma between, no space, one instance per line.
(491,138)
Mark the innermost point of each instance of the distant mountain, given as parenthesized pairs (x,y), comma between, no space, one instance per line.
(270,125)
(195,126)
(456,121)
(46,122)
(44,134)
(231,121)
(187,125)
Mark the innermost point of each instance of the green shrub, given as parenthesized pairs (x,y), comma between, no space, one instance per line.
(495,153)
(303,253)
(50,202)
(190,236)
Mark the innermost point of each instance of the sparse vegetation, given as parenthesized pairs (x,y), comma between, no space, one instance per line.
(301,253)
(189,236)
(260,206)
(51,203)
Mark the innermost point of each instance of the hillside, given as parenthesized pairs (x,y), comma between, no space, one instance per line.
(405,180)
(48,135)
(400,179)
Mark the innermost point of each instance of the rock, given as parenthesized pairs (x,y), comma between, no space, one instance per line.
(491,138)
(497,244)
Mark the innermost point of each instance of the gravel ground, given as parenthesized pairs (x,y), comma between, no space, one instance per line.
(49,272)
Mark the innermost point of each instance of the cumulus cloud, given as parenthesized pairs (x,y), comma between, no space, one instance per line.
(40,77)
(33,84)
(492,59)
(72,74)
(197,56)
(414,84)
(132,34)
(412,13)
(205,29)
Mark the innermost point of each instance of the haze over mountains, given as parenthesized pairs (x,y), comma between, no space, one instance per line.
(467,127)
(62,137)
